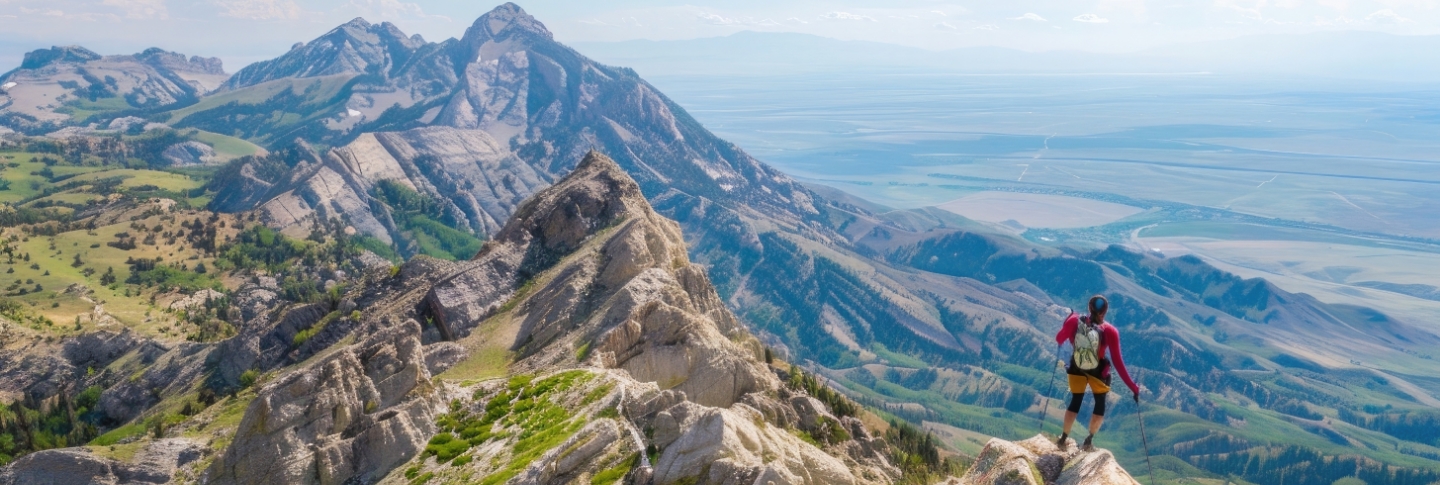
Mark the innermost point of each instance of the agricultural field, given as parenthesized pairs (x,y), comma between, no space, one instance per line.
(1038,210)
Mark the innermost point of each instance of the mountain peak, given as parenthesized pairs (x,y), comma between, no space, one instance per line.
(357,22)
(503,22)
(71,53)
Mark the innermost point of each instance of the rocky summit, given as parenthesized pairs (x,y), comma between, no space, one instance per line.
(1039,461)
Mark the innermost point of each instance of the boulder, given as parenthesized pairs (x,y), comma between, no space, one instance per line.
(188,153)
(1038,461)
(154,464)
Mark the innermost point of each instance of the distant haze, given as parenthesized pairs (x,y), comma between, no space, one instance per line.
(243,31)
(1348,55)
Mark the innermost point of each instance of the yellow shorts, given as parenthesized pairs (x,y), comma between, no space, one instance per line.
(1078,383)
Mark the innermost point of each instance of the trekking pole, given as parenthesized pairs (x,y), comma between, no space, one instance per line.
(1140,413)
(1046,410)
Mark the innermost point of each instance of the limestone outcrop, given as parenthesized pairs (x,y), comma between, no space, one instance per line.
(351,416)
(154,464)
(1038,461)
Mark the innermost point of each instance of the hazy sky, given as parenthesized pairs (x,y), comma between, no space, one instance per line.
(241,31)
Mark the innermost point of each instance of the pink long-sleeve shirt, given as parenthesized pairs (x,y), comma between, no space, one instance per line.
(1110,343)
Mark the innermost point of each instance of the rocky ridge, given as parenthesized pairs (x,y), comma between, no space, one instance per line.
(609,330)
(37,94)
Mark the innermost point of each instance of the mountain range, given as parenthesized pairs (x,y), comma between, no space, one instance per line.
(400,147)
(1332,56)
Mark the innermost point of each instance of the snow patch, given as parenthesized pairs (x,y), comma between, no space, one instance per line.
(9,85)
(352,113)
(727,187)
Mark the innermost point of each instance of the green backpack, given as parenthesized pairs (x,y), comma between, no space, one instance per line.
(1087,345)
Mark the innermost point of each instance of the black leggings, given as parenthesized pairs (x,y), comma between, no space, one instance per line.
(1099,403)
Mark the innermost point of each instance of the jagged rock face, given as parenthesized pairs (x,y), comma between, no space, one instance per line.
(351,416)
(33,369)
(49,78)
(189,153)
(637,301)
(481,181)
(1038,461)
(727,446)
(155,464)
(357,47)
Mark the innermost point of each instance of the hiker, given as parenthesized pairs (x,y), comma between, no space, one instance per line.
(1091,337)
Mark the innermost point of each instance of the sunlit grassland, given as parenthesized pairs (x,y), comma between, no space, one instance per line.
(55,270)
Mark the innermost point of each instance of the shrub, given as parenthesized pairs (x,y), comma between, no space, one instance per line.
(248,378)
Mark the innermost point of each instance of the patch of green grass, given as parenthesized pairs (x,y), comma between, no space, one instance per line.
(519,296)
(898,359)
(83,109)
(227,147)
(132,430)
(582,352)
(597,393)
(422,478)
(613,474)
(259,93)
(530,411)
(304,335)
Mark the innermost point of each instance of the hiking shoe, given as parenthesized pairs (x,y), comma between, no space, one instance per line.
(1087,446)
(1063,442)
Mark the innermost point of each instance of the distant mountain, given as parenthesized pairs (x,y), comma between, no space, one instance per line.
(1358,55)
(487,132)
(357,47)
(62,85)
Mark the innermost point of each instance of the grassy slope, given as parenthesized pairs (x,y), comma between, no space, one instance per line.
(227,148)
(53,269)
(327,86)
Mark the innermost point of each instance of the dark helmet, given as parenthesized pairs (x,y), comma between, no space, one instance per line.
(1099,305)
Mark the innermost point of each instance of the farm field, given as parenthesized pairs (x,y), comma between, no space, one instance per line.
(1038,210)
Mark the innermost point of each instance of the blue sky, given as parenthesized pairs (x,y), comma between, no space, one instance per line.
(242,31)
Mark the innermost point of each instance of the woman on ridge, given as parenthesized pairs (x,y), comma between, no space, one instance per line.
(1092,338)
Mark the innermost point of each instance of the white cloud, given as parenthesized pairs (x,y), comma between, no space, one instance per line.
(1031,17)
(796,20)
(1249,13)
(1386,16)
(717,19)
(937,12)
(260,9)
(1090,18)
(846,16)
(47,13)
(945,26)
(1341,20)
(140,9)
(987,27)
(392,9)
